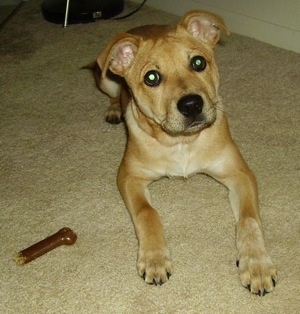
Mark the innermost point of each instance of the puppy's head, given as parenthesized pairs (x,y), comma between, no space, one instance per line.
(171,72)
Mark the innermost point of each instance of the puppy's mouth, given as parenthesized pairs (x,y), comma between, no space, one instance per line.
(198,124)
(187,126)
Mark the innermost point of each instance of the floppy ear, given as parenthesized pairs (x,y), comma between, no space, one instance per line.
(119,54)
(204,25)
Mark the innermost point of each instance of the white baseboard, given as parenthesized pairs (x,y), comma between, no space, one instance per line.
(242,23)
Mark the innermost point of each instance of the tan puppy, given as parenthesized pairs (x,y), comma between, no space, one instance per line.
(167,82)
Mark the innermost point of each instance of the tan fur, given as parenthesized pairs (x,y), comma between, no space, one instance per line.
(164,141)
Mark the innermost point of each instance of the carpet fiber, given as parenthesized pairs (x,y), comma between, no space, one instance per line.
(58,167)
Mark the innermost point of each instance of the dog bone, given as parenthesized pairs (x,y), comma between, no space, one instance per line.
(64,236)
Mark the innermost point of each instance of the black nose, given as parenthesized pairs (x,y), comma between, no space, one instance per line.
(190,105)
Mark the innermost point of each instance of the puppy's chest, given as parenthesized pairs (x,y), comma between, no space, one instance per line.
(182,161)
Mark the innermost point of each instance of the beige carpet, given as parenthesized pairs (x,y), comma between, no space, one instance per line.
(59,161)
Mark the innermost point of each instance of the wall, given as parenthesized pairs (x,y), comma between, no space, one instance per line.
(273,21)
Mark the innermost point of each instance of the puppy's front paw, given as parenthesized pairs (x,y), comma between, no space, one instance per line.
(257,273)
(155,266)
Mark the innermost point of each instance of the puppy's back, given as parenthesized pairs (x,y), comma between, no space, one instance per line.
(151,31)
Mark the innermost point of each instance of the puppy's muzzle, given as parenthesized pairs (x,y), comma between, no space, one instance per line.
(190,106)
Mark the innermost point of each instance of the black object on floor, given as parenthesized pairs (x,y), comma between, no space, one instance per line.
(81,11)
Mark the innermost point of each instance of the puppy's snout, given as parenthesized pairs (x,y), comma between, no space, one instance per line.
(190,105)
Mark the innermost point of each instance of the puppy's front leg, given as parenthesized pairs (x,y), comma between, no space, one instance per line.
(154,262)
(256,269)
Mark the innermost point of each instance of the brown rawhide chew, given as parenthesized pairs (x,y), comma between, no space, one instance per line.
(64,236)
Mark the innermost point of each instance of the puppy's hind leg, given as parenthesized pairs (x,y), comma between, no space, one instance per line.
(111,86)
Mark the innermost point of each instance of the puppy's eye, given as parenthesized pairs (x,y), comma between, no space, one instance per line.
(198,63)
(152,78)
